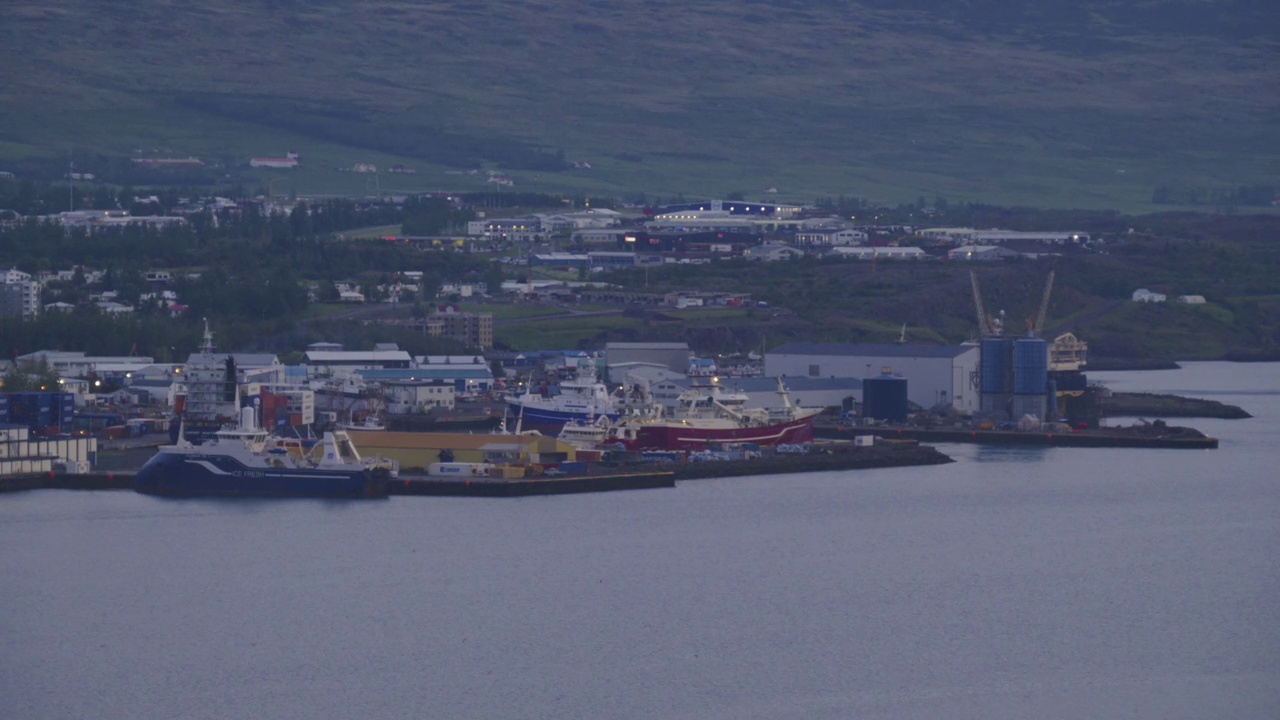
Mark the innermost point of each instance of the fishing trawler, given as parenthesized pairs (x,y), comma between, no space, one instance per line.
(583,398)
(710,415)
(246,460)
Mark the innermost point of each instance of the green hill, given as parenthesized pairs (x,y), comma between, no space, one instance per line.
(1087,103)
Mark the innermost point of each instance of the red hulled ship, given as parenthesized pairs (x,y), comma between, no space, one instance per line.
(706,416)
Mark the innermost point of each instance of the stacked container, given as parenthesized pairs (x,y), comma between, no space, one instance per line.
(45,413)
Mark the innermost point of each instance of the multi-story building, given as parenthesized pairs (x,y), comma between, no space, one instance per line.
(474,329)
(19,295)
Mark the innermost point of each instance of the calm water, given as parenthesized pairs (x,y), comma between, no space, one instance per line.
(1016,583)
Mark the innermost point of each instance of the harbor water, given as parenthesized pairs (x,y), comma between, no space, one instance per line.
(1018,582)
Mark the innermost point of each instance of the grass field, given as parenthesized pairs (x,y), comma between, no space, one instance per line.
(1088,103)
(567,333)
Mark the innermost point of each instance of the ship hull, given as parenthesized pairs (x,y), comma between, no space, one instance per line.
(215,475)
(544,418)
(688,436)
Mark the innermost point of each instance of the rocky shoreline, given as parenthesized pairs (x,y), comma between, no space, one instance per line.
(1105,364)
(1157,405)
(825,456)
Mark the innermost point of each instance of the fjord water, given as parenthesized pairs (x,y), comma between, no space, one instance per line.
(1015,583)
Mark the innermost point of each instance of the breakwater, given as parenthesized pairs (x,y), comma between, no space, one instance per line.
(825,456)
(1154,436)
(1158,405)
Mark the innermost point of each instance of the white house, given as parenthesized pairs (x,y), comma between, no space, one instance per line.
(1191,299)
(1145,295)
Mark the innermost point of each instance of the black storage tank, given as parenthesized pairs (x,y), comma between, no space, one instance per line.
(885,398)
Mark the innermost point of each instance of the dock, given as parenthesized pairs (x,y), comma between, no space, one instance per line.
(403,485)
(602,478)
(524,487)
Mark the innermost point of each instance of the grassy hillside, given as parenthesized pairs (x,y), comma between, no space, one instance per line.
(1234,262)
(1089,104)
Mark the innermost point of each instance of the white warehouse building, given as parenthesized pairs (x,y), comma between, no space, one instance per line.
(935,373)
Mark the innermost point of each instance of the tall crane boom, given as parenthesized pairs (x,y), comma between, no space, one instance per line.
(1044,306)
(983,327)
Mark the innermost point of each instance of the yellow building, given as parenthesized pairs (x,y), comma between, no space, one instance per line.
(419,450)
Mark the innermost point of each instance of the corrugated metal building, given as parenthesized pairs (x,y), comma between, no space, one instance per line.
(934,373)
(419,450)
(673,356)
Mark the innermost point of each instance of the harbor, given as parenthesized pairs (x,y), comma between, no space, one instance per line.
(594,478)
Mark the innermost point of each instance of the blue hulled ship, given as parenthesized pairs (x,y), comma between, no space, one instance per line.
(248,461)
(582,399)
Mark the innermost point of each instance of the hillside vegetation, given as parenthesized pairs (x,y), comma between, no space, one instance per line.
(1069,103)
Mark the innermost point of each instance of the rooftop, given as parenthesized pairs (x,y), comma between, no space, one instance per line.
(871,350)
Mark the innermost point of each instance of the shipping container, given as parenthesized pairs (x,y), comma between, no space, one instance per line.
(458,469)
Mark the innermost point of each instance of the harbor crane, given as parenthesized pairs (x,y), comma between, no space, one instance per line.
(1034,327)
(987,325)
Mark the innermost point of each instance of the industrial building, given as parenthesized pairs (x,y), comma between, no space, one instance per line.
(419,450)
(707,242)
(981,253)
(330,362)
(611,237)
(673,356)
(734,207)
(474,329)
(607,260)
(875,253)
(843,393)
(417,396)
(935,374)
(465,379)
(559,260)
